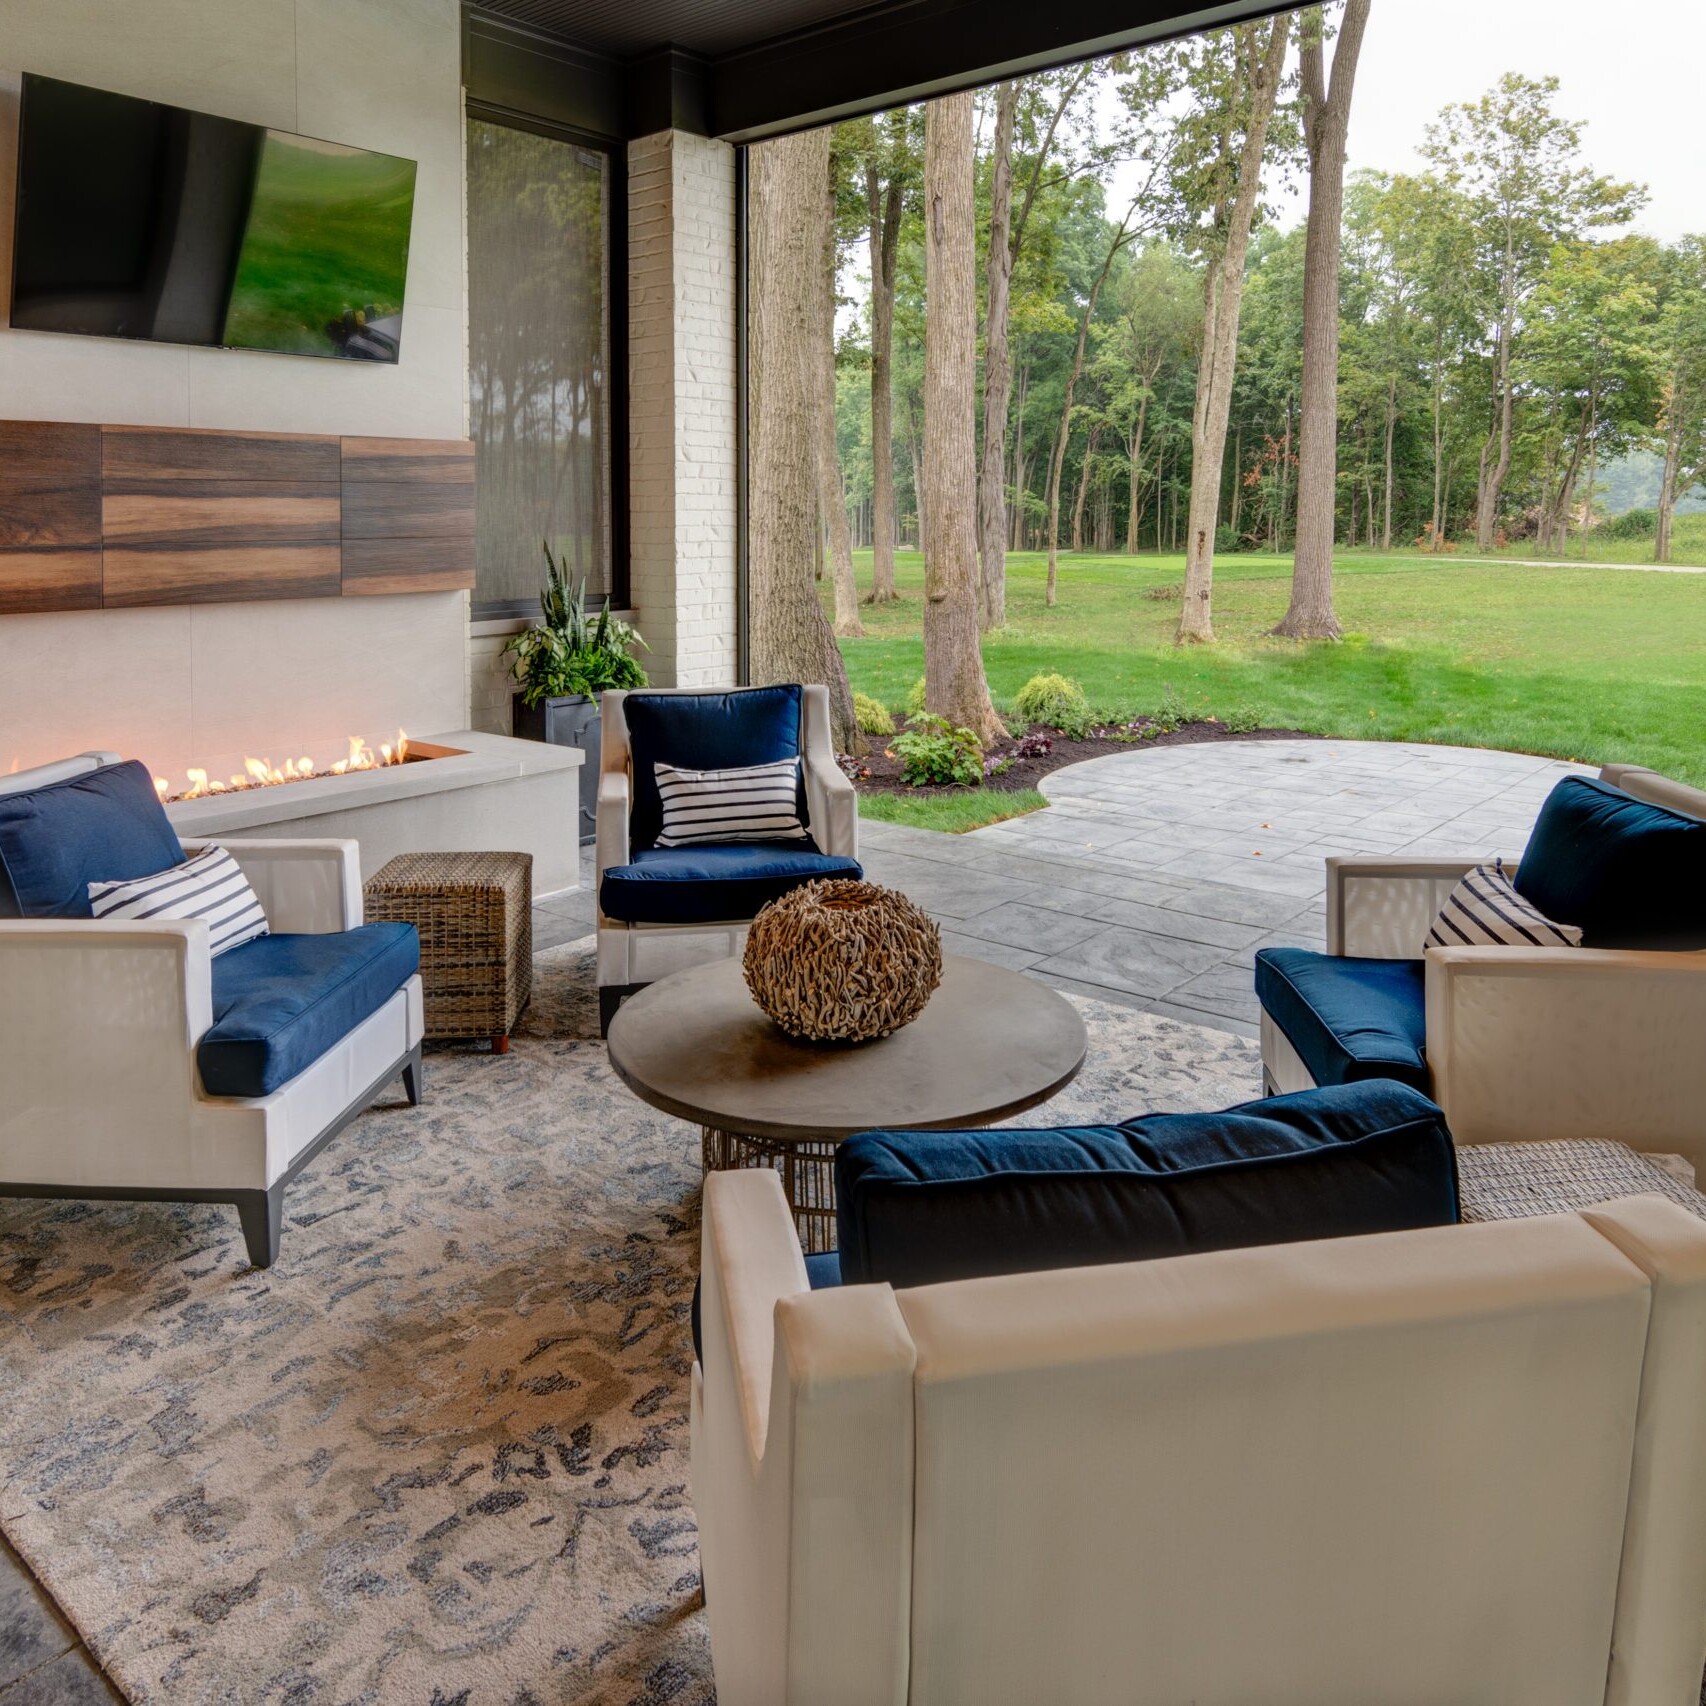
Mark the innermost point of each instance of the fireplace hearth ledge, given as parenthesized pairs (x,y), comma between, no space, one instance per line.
(493,793)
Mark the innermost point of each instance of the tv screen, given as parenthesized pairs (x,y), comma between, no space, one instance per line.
(138,220)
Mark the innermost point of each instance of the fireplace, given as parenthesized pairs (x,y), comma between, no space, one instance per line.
(265,773)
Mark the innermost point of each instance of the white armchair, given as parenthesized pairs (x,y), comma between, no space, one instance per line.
(634,951)
(100,1023)
(1460,1464)
(1530,1045)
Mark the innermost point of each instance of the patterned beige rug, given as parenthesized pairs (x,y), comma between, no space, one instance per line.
(438,1454)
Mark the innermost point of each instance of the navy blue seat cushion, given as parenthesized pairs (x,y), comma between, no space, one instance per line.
(705,731)
(716,881)
(1628,873)
(106,825)
(821,1271)
(921,1207)
(280,1002)
(1348,1019)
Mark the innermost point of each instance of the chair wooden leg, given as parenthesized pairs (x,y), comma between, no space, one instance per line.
(412,1077)
(261,1214)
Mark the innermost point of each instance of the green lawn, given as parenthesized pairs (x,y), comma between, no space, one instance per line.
(1584,663)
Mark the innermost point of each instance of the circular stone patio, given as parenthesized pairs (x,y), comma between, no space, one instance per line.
(1154,875)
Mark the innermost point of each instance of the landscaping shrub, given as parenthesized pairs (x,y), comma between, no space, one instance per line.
(1242,720)
(1057,701)
(1632,524)
(915,698)
(1172,712)
(934,754)
(872,715)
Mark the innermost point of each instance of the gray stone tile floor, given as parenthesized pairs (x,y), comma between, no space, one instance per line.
(1149,881)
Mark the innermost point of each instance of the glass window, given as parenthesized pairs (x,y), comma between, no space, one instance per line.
(539,359)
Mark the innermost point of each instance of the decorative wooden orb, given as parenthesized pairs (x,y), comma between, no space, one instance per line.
(842,961)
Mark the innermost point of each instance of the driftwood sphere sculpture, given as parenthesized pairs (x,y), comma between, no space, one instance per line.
(842,961)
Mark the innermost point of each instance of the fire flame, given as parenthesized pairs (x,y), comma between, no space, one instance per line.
(263,773)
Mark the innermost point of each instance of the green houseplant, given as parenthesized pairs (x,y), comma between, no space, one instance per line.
(561,665)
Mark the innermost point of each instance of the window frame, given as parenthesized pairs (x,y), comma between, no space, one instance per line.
(615,153)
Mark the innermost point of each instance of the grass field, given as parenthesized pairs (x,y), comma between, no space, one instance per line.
(1584,663)
(328,230)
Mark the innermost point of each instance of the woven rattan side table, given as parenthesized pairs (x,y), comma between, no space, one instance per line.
(474,912)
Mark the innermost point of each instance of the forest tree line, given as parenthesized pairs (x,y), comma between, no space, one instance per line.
(1447,358)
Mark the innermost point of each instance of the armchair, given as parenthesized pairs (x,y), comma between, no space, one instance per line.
(662,908)
(1448,1464)
(1515,1044)
(139,1066)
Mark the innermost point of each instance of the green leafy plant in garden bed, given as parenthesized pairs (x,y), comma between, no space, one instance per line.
(1057,701)
(934,754)
(567,653)
(872,716)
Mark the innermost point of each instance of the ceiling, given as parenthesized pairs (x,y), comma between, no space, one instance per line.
(626,28)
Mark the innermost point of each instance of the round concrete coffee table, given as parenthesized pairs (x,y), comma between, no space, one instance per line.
(695,1044)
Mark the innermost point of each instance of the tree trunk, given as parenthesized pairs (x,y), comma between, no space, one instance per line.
(997,363)
(1264,45)
(1326,123)
(791,637)
(1496,452)
(1134,458)
(831,494)
(1058,461)
(955,686)
(1084,487)
(1016,515)
(884,209)
(1668,488)
(1391,424)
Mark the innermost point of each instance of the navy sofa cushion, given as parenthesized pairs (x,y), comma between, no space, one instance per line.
(1348,1019)
(1628,873)
(280,1002)
(705,731)
(106,825)
(917,1208)
(713,882)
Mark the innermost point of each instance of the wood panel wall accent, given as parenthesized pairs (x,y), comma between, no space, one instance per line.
(109,516)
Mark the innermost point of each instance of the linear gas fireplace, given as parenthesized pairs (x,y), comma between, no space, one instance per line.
(265,773)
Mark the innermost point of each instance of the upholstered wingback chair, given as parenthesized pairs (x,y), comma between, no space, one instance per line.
(1463,1463)
(134,1064)
(660,908)
(1521,1044)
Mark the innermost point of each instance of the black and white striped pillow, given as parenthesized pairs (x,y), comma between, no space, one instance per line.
(209,884)
(1485,911)
(758,803)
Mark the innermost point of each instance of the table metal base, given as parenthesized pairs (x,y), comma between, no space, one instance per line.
(807,1167)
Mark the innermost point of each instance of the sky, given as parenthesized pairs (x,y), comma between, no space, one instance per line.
(1623,69)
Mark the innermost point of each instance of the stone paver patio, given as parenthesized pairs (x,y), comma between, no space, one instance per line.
(1154,875)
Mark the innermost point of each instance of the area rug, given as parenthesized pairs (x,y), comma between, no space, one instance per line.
(437,1455)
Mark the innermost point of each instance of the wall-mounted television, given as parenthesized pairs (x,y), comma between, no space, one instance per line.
(139,220)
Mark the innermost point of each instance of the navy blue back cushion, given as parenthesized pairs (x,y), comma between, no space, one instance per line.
(920,1207)
(1630,874)
(103,826)
(705,731)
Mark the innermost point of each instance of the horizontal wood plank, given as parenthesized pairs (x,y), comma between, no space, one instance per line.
(184,514)
(446,460)
(408,509)
(220,575)
(49,580)
(176,453)
(375,566)
(50,484)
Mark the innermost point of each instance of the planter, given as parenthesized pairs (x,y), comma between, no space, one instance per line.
(571,721)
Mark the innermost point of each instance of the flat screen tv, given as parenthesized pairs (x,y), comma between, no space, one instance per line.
(138,220)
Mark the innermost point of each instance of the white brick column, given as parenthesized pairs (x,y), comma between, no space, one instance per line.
(682,406)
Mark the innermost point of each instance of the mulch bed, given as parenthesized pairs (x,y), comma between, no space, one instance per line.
(878,773)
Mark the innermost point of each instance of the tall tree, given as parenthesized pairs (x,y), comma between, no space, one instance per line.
(954,682)
(1517,166)
(1326,125)
(885,188)
(1682,384)
(1236,117)
(791,637)
(831,495)
(1117,242)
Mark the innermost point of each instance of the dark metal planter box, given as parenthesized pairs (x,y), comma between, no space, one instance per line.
(572,721)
